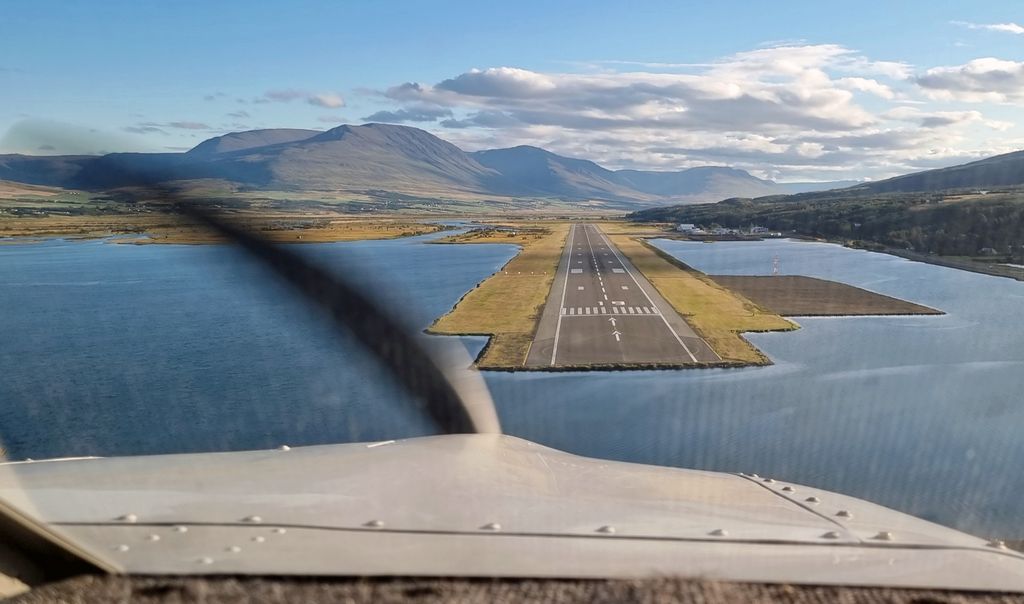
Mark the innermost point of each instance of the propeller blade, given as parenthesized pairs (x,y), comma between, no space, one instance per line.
(457,402)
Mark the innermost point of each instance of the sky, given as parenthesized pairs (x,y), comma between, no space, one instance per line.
(792,91)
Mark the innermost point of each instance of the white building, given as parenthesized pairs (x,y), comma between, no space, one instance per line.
(686,228)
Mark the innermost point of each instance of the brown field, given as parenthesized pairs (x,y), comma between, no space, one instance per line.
(637,229)
(166,228)
(792,295)
(716,313)
(507,305)
(521,235)
(17,190)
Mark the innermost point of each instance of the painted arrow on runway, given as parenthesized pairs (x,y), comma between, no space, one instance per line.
(617,333)
(612,321)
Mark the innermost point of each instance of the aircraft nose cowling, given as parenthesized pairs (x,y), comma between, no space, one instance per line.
(485,505)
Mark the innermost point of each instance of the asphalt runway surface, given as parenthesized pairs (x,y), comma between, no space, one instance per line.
(601,311)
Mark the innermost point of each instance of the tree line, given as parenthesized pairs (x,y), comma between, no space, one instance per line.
(944,224)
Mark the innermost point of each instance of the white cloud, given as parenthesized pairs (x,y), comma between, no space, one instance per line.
(866,85)
(1010,28)
(281,96)
(185,125)
(413,114)
(499,81)
(156,127)
(329,100)
(980,80)
(800,110)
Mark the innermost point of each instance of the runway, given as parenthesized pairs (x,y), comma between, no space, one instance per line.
(602,311)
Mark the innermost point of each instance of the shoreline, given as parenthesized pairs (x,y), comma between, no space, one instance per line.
(993,269)
(983,268)
(169,229)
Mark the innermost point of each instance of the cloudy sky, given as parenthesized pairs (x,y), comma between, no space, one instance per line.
(788,90)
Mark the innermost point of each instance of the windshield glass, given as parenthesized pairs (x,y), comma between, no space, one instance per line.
(732,239)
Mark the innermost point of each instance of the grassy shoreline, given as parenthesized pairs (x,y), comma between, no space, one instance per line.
(507,305)
(158,228)
(992,269)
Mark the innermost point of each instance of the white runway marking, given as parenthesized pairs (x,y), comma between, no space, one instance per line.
(603,310)
(565,284)
(616,334)
(606,296)
(637,283)
(576,271)
(625,287)
(618,270)
(588,310)
(563,310)
(579,287)
(630,310)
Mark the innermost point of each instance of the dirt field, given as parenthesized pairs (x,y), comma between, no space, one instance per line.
(809,297)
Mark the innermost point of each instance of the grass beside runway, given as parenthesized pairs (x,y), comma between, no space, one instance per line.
(716,314)
(507,305)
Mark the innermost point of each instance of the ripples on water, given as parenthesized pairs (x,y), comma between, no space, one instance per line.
(111,349)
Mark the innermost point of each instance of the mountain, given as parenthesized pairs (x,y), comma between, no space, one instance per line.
(382,158)
(546,173)
(996,171)
(238,141)
(372,157)
(708,183)
(536,171)
(50,170)
(810,187)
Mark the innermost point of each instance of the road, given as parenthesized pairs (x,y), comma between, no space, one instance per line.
(602,311)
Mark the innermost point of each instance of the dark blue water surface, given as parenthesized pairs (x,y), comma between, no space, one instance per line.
(116,349)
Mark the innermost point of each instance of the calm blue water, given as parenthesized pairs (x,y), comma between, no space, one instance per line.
(109,349)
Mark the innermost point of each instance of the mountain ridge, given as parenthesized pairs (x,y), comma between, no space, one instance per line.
(387,158)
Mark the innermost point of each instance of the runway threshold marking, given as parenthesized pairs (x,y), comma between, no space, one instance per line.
(637,283)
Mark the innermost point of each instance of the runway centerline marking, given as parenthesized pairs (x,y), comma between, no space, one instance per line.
(637,283)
